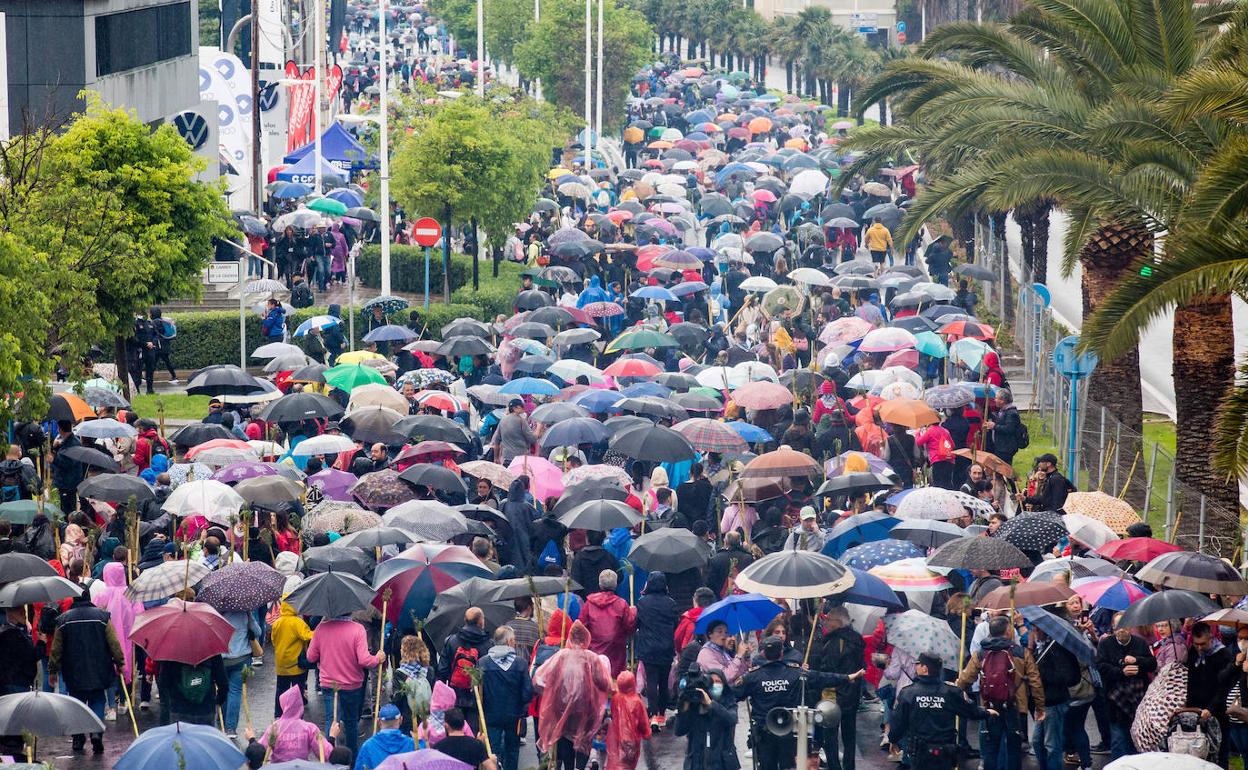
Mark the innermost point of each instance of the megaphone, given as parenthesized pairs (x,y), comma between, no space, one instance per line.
(779,721)
(827,713)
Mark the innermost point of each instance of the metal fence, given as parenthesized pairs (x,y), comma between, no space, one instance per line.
(1105,454)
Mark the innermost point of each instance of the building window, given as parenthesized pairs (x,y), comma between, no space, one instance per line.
(133,39)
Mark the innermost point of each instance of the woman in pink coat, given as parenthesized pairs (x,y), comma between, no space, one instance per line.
(122,611)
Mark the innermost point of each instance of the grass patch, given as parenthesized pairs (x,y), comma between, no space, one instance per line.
(178,406)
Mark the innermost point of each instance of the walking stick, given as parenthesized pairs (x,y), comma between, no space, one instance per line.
(385,603)
(220,718)
(485,734)
(129,706)
(810,641)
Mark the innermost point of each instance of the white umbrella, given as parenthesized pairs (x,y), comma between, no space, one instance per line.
(1087,530)
(376,394)
(1160,760)
(758,283)
(930,503)
(325,444)
(275,349)
(211,499)
(810,276)
(809,183)
(753,371)
(722,377)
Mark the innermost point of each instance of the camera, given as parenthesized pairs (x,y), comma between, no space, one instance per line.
(693,681)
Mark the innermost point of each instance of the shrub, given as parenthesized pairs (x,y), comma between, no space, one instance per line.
(407,269)
(212,337)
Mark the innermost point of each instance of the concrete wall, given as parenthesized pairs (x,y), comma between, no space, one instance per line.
(842,10)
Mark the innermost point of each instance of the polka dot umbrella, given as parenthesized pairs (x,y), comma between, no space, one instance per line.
(1036,532)
(917,633)
(930,503)
(241,587)
(879,553)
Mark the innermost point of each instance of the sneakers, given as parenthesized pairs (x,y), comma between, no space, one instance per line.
(654,725)
(257,662)
(1071,759)
(111,715)
(175,381)
(662,720)
(1101,748)
(121,709)
(145,705)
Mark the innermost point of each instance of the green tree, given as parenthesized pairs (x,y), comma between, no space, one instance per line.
(506,25)
(555,52)
(460,18)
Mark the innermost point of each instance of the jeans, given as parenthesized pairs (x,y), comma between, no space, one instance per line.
(349,705)
(505,741)
(234,701)
(1001,741)
(94,700)
(1047,737)
(322,271)
(1121,745)
(1076,740)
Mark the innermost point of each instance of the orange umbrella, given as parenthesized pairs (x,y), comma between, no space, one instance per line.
(67,406)
(988,460)
(909,412)
(726,116)
(660,144)
(633,134)
(796,143)
(760,125)
(782,462)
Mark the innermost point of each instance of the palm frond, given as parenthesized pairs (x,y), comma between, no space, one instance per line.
(988,45)
(1213,90)
(1231,439)
(1220,192)
(1166,34)
(1083,222)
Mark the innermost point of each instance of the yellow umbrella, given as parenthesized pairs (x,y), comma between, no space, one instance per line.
(634,134)
(358,356)
(1107,509)
(557,172)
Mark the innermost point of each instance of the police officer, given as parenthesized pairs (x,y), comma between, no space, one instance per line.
(780,684)
(142,350)
(924,719)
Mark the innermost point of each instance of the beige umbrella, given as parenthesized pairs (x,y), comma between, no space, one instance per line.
(1109,510)
(376,394)
(491,472)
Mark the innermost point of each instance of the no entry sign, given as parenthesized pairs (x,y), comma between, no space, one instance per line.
(426,231)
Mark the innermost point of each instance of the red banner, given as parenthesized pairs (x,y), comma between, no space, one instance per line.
(303,101)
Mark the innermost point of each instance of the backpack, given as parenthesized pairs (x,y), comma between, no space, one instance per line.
(39,541)
(195,683)
(159,447)
(12,486)
(996,677)
(1024,435)
(301,296)
(464,659)
(166,328)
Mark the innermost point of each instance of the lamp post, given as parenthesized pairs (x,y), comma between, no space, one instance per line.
(481,48)
(318,67)
(589,61)
(382,122)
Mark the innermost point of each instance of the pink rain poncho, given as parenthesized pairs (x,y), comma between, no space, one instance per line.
(121,611)
(574,684)
(291,737)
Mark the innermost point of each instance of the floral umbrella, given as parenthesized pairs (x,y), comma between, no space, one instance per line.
(244,470)
(917,633)
(596,473)
(416,576)
(338,516)
(381,490)
(930,503)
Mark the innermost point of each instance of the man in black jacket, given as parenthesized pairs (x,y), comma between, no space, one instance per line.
(694,495)
(1005,429)
(1053,486)
(472,637)
(1211,671)
(727,562)
(925,716)
(590,561)
(1059,671)
(1125,663)
(841,651)
(86,651)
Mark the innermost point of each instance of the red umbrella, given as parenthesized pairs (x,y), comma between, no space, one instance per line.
(962,329)
(632,367)
(185,632)
(1136,549)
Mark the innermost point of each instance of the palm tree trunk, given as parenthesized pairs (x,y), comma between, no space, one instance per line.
(997,221)
(1204,361)
(842,100)
(1115,385)
(788,77)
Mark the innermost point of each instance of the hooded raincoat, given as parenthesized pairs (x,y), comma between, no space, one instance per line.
(121,611)
(629,724)
(574,683)
(292,737)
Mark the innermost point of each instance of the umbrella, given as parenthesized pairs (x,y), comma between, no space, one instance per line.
(391,333)
(98,397)
(38,590)
(297,407)
(373,424)
(857,529)
(241,587)
(348,377)
(1136,549)
(165,580)
(431,759)
(337,558)
(331,483)
(1074,566)
(381,490)
(46,714)
(927,533)
(213,500)
(330,594)
(1062,632)
(948,396)
(1115,513)
(1024,594)
(654,444)
(428,520)
(376,396)
(449,607)
(1033,531)
(987,459)
(429,427)
(707,435)
(16,566)
(417,575)
(853,484)
(880,552)
(1114,593)
(908,412)
(930,503)
(269,491)
(224,381)
(114,487)
(601,515)
(1088,531)
(744,613)
(1193,572)
(338,516)
(388,302)
(104,428)
(185,632)
(918,633)
(377,537)
(1168,605)
(574,431)
(795,575)
(987,553)
(182,745)
(782,462)
(670,549)
(910,575)
(325,444)
(762,395)
(66,406)
(231,474)
(198,433)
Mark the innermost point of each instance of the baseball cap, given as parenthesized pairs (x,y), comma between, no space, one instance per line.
(808,512)
(388,712)
(1047,457)
(773,647)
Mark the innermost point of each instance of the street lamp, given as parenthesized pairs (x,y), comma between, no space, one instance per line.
(382,122)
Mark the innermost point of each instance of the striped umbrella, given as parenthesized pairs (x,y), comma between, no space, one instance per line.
(910,575)
(1110,592)
(416,576)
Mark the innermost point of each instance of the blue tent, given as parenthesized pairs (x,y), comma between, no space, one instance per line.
(304,172)
(339,148)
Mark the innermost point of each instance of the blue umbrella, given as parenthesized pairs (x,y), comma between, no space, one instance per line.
(655,293)
(598,401)
(578,430)
(638,389)
(181,745)
(858,529)
(871,591)
(316,322)
(688,287)
(346,196)
(879,553)
(751,433)
(742,612)
(1061,632)
(291,190)
(529,386)
(391,333)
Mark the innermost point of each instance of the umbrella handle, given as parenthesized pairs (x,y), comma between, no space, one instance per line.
(810,641)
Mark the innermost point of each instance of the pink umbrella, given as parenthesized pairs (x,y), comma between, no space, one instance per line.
(762,395)
(545,478)
(908,358)
(886,340)
(662,225)
(764,196)
(844,330)
(186,632)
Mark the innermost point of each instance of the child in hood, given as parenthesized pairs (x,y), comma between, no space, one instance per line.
(434,729)
(629,724)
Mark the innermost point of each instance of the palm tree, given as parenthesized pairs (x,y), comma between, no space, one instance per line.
(787,46)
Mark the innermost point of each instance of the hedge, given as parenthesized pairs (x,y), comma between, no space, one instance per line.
(407,269)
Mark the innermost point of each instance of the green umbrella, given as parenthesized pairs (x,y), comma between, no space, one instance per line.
(19,511)
(656,132)
(328,206)
(929,344)
(705,391)
(641,339)
(348,377)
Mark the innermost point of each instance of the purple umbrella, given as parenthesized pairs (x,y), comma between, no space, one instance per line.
(836,466)
(425,759)
(245,470)
(241,586)
(333,484)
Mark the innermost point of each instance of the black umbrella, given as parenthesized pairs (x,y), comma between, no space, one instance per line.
(671,549)
(555,411)
(696,402)
(38,590)
(537,585)
(463,345)
(450,605)
(115,488)
(533,331)
(532,299)
(795,575)
(297,407)
(936,311)
(309,373)
(198,433)
(586,491)
(975,272)
(465,327)
(655,444)
(1193,572)
(268,491)
(373,424)
(653,406)
(89,455)
(533,364)
(989,553)
(1172,604)
(431,427)
(802,379)
(854,484)
(59,408)
(15,566)
(363,214)
(435,477)
(1037,532)
(600,516)
(927,532)
(324,558)
(330,595)
(225,381)
(677,380)
(551,316)
(915,324)
(626,422)
(714,205)
(46,714)
(838,210)
(574,432)
(689,334)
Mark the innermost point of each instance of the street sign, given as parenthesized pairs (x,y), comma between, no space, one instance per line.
(901,37)
(1043,292)
(866,22)
(426,231)
(901,26)
(1070,365)
(221,273)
